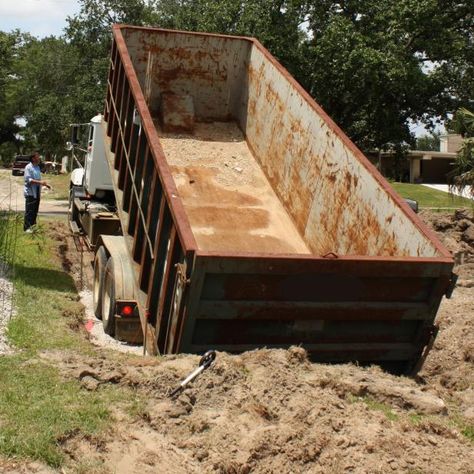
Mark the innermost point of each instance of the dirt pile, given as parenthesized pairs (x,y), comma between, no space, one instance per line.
(456,231)
(269,411)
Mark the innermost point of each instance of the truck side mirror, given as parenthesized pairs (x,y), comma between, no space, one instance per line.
(75,134)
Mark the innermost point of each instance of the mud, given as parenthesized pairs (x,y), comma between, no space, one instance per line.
(456,232)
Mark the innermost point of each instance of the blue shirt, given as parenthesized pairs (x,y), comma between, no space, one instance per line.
(32,172)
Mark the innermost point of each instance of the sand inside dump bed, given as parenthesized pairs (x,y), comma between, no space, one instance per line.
(230,204)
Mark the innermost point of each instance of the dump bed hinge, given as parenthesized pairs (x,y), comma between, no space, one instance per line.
(452,284)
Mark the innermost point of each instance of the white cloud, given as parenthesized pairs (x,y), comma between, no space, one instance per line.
(38,17)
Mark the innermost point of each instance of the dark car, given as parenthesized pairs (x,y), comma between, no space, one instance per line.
(19,164)
(18,168)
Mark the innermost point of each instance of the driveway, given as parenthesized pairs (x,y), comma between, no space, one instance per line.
(445,188)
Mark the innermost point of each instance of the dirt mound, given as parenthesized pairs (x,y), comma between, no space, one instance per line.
(449,368)
(267,411)
(456,231)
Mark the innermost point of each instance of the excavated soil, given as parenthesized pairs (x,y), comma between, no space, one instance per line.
(272,411)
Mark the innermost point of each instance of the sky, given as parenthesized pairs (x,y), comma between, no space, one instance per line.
(39,17)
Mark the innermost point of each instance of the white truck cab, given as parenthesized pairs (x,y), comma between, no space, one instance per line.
(91,199)
(96,171)
(95,176)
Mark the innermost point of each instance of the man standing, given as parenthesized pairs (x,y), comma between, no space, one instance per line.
(32,191)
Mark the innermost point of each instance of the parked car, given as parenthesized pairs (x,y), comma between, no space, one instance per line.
(18,168)
(19,164)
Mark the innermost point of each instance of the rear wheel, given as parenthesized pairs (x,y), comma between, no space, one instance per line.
(108,299)
(73,212)
(100,262)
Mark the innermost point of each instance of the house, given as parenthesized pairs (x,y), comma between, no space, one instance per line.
(424,166)
(433,166)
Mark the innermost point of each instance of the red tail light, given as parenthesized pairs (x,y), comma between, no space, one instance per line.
(127,310)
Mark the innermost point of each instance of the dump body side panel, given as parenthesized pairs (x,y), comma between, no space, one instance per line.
(338,309)
(337,199)
(155,227)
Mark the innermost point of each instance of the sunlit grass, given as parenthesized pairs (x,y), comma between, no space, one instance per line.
(432,198)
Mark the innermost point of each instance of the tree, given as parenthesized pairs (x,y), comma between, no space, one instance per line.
(9,43)
(374,65)
(43,91)
(277,24)
(428,142)
(461,177)
(89,32)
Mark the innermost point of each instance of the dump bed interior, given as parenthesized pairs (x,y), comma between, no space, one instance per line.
(259,167)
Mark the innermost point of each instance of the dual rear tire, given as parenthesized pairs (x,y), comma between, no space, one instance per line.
(104,290)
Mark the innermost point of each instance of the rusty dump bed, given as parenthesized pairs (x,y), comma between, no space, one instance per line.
(251,218)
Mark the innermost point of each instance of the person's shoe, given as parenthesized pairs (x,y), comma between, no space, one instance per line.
(29,231)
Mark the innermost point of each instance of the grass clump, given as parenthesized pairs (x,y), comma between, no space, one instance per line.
(468,432)
(38,409)
(373,404)
(385,409)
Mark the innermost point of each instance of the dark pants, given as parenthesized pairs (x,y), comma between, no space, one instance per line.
(31,211)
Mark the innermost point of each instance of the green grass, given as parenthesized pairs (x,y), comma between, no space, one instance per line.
(468,432)
(39,407)
(44,295)
(378,406)
(373,404)
(60,185)
(431,198)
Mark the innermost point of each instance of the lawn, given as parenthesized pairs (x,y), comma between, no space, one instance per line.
(60,185)
(38,406)
(431,198)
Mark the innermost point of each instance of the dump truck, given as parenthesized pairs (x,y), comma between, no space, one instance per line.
(228,211)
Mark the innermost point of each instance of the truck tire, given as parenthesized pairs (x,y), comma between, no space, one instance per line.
(100,262)
(73,213)
(108,299)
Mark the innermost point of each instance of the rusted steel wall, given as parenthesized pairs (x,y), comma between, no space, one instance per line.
(335,200)
(329,189)
(208,68)
(338,309)
(155,227)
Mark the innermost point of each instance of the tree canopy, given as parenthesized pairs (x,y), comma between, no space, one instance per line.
(462,176)
(373,66)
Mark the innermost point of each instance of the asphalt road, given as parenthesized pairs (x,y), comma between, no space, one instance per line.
(11,197)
